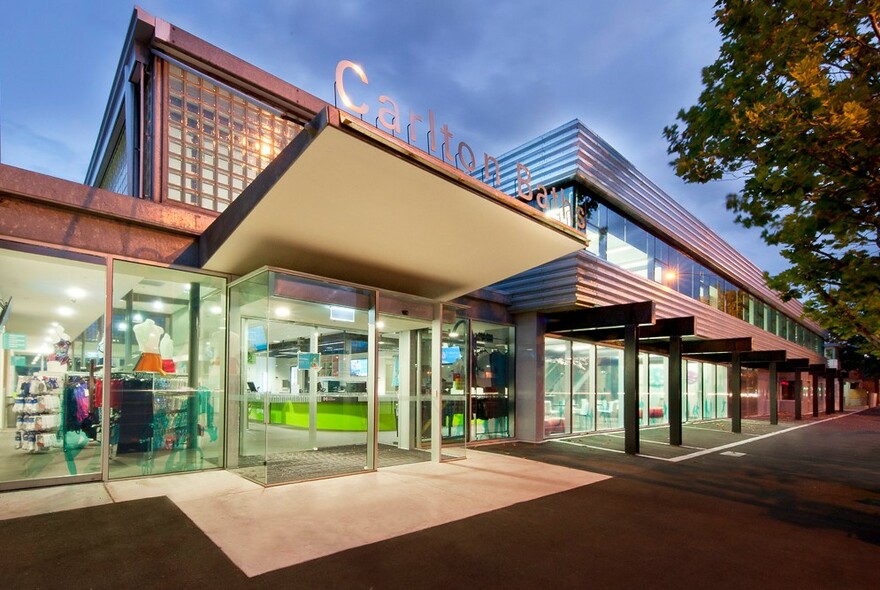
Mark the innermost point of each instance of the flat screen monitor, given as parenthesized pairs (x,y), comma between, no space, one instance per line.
(358,368)
(251,386)
(449,354)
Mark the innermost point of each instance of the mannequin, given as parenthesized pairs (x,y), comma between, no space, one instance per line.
(166,350)
(148,336)
(60,358)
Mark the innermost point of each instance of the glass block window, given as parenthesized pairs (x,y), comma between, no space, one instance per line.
(218,142)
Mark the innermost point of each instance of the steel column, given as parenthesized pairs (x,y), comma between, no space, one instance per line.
(798,387)
(736,390)
(829,394)
(631,388)
(674,383)
(815,396)
(774,394)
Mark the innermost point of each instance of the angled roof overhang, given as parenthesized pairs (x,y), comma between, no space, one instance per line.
(347,202)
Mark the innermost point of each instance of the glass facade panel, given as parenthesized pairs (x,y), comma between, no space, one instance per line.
(620,241)
(609,387)
(710,391)
(692,408)
(51,403)
(557,386)
(492,386)
(584,387)
(167,381)
(116,176)
(217,142)
(722,389)
(658,372)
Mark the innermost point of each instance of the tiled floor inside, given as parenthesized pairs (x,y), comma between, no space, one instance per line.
(262,529)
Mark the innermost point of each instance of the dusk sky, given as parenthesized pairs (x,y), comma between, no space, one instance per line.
(498,73)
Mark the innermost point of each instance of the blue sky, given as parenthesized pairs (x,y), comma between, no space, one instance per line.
(499,73)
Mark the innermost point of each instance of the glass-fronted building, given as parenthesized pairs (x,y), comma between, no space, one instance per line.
(252,279)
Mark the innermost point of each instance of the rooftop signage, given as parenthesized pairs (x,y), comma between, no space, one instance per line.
(554,203)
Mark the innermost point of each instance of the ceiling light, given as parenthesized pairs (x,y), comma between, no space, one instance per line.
(122,326)
(137,317)
(65,311)
(282,312)
(158,305)
(216,309)
(75,293)
(380,324)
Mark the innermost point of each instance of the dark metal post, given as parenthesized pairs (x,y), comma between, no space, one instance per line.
(774,395)
(798,386)
(674,384)
(815,396)
(736,390)
(829,394)
(195,302)
(631,388)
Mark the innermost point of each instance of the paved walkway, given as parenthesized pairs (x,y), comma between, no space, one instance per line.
(800,508)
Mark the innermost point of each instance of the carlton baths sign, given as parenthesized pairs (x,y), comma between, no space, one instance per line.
(553,203)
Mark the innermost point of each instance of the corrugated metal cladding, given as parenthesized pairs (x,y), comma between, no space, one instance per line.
(583,279)
(573,152)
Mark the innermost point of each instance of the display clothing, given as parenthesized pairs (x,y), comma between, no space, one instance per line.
(150,362)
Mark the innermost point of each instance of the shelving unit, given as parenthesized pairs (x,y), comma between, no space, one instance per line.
(38,412)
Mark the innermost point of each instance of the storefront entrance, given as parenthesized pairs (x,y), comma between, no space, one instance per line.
(328,379)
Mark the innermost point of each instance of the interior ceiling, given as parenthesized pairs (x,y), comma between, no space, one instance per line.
(349,210)
(39,287)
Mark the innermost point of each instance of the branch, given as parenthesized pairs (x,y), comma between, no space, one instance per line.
(852,318)
(873,18)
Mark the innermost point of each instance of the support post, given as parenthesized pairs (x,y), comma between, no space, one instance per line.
(195,331)
(631,388)
(674,384)
(829,394)
(841,400)
(736,391)
(815,379)
(774,395)
(798,394)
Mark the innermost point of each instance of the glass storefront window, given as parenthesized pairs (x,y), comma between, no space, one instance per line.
(53,312)
(722,390)
(692,408)
(492,384)
(609,387)
(584,387)
(658,371)
(167,370)
(557,386)
(710,391)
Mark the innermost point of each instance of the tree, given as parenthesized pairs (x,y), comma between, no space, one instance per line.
(792,106)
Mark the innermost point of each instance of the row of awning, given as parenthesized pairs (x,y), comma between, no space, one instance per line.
(609,323)
(635,326)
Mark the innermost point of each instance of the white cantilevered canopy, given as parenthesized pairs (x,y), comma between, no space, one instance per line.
(344,203)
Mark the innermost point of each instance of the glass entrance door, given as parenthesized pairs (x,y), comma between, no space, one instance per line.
(404,390)
(303,384)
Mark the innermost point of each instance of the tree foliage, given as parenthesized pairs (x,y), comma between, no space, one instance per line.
(792,106)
